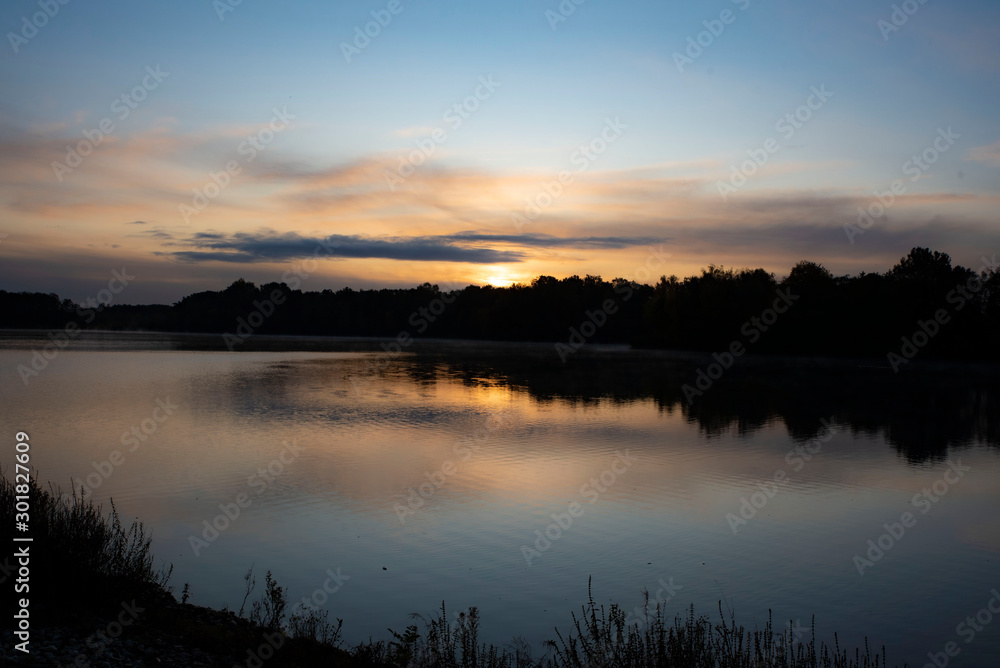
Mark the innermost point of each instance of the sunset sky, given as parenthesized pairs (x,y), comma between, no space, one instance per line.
(432,151)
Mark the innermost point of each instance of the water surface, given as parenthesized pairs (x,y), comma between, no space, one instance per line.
(424,475)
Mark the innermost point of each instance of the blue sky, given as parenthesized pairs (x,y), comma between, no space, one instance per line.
(555,88)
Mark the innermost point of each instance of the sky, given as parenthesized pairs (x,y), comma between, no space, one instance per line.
(385,143)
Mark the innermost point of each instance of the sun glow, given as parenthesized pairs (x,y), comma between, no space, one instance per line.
(498,277)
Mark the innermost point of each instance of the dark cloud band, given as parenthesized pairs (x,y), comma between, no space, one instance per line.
(269,246)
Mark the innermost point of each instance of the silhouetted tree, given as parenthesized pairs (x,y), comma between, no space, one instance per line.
(869,314)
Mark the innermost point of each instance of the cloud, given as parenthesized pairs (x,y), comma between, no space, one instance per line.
(989,154)
(549,241)
(415,131)
(270,246)
(468,247)
(156,233)
(203,256)
(457,217)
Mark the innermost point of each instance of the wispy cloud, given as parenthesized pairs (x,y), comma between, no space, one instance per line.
(415,131)
(989,154)
(549,241)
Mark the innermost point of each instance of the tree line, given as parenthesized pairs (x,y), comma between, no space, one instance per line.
(922,306)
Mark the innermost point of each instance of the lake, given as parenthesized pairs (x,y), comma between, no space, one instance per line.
(497,476)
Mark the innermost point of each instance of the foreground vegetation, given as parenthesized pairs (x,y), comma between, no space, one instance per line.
(817,313)
(89,564)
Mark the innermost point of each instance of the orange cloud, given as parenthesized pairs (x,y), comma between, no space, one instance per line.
(149,175)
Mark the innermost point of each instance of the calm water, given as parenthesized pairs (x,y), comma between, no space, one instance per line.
(502,438)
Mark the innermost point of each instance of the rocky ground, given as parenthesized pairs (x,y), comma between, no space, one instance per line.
(159,631)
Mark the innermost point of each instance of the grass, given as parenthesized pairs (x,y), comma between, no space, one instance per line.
(601,637)
(79,556)
(87,562)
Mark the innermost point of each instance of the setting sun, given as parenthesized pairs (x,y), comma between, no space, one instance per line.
(498,277)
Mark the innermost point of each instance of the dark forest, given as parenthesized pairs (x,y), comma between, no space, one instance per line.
(923,306)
